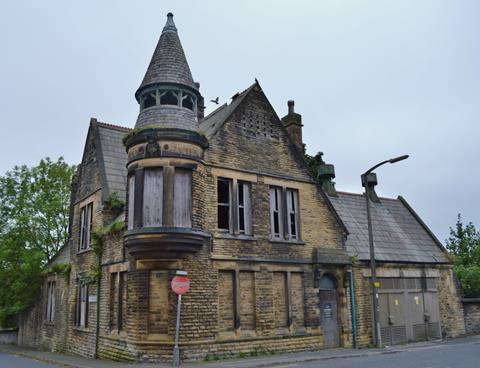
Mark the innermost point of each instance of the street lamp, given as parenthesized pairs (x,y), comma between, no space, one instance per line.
(375,285)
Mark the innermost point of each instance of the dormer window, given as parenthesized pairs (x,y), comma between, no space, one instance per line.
(168,98)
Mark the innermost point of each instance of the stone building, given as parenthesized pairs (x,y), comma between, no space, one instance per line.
(276,257)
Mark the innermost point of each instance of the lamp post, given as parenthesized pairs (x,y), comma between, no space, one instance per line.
(374,284)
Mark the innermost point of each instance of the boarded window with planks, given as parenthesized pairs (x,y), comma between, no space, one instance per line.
(131,201)
(182,198)
(153,198)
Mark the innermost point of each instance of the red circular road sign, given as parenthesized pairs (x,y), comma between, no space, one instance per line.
(180,284)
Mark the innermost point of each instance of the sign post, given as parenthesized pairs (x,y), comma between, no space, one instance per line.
(180,285)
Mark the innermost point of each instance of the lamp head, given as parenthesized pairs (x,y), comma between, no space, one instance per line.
(399,158)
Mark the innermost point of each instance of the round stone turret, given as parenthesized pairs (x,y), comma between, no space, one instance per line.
(168,96)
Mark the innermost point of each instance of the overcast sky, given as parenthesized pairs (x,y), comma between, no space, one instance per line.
(372,80)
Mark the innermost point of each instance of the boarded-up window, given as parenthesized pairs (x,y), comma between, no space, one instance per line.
(182,199)
(153,198)
(158,302)
(226,307)
(131,201)
(297,300)
(280,299)
(247,300)
(50,301)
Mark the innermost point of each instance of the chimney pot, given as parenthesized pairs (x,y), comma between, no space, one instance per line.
(291,105)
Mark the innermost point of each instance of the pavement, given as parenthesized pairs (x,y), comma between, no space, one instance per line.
(466,347)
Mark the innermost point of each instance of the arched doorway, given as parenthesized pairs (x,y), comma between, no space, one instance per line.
(328,311)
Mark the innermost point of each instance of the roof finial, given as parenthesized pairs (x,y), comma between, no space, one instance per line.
(169,26)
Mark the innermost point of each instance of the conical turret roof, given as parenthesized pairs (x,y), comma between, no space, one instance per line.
(168,64)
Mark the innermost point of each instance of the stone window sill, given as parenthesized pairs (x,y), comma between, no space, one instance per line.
(82,329)
(235,236)
(84,251)
(284,241)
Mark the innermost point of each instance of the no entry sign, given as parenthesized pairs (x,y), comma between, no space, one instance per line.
(180,284)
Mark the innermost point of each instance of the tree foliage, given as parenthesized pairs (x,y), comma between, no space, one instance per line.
(34,214)
(313,162)
(464,244)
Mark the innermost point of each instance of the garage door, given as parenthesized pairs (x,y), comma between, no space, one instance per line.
(408,310)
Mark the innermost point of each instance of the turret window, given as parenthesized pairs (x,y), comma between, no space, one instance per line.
(149,101)
(188,101)
(168,98)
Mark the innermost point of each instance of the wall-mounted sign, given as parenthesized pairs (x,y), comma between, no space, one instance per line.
(327,310)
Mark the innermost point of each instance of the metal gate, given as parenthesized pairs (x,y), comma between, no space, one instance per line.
(328,311)
(408,310)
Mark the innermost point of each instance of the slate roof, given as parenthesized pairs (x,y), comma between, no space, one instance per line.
(114,157)
(399,234)
(215,120)
(168,63)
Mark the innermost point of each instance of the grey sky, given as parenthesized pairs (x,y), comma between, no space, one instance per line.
(372,79)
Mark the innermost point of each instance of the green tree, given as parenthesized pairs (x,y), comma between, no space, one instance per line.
(464,244)
(34,214)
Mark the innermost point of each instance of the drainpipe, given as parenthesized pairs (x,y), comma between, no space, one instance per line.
(352,301)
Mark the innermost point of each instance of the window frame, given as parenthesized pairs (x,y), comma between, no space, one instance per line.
(284,207)
(50,312)
(235,207)
(86,227)
(82,305)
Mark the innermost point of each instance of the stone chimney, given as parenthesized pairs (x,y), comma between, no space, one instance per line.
(369,184)
(293,123)
(325,174)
